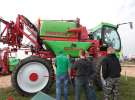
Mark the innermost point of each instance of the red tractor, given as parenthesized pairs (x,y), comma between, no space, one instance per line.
(36,73)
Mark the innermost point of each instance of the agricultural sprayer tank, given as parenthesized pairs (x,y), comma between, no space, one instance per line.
(55,36)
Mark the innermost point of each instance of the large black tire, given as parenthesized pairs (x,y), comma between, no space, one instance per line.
(98,65)
(24,66)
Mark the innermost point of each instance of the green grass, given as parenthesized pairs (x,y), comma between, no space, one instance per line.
(127,92)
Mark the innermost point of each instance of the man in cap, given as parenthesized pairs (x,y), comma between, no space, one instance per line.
(62,65)
(111,74)
(84,74)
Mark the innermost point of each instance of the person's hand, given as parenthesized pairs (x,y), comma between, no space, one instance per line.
(103,82)
(69,71)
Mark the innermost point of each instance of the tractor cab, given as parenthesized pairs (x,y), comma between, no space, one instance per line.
(107,34)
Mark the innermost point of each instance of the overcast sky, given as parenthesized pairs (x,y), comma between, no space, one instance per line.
(91,13)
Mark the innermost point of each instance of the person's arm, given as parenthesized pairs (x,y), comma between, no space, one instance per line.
(69,66)
(119,65)
(92,71)
(104,68)
(55,62)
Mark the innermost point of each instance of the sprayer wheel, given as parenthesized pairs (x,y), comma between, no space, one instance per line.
(32,75)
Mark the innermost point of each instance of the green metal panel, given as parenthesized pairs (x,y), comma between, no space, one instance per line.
(101,25)
(12,63)
(72,48)
(55,26)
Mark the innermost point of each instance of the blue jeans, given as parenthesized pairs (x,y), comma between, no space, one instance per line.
(59,80)
(88,89)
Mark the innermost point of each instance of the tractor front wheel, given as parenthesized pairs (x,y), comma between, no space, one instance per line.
(31,75)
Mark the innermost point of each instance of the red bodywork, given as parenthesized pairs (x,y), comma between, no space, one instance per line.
(4,54)
(13,34)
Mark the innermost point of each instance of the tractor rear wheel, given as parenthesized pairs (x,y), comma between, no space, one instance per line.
(31,75)
(98,73)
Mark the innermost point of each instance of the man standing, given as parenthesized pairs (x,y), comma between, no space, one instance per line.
(62,65)
(111,74)
(84,73)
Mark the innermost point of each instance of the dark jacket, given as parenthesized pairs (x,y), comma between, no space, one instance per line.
(111,67)
(84,69)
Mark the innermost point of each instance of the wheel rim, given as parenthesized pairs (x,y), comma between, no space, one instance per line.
(33,77)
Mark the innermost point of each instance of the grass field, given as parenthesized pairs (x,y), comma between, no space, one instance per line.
(127,92)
